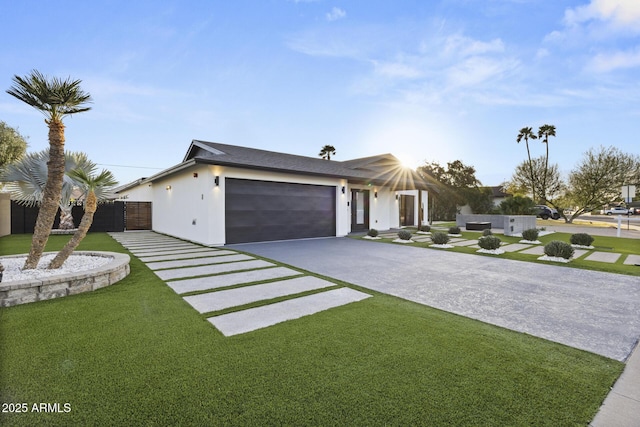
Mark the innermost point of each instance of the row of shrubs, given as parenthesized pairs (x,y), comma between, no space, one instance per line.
(488,241)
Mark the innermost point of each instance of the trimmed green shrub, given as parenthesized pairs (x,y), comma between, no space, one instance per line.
(404,234)
(487,232)
(559,249)
(582,239)
(454,230)
(425,228)
(489,242)
(372,233)
(439,238)
(530,234)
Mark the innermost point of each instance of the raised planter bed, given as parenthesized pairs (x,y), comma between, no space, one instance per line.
(25,291)
(477,225)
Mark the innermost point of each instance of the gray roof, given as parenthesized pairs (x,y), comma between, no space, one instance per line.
(377,170)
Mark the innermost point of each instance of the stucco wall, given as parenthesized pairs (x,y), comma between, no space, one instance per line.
(193,208)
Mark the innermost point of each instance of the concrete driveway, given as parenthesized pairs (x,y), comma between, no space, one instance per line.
(594,311)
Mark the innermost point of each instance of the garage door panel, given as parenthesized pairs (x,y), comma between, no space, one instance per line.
(264,210)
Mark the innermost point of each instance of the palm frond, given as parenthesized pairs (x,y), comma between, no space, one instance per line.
(54,97)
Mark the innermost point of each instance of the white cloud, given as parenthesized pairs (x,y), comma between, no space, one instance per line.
(606,62)
(621,14)
(336,14)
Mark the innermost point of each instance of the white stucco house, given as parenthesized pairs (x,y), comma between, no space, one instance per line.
(223,194)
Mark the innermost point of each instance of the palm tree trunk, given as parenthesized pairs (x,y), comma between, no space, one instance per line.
(546,168)
(91,205)
(533,185)
(66,218)
(51,195)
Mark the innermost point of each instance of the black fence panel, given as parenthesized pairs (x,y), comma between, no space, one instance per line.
(108,217)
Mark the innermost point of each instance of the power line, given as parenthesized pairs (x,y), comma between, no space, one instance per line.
(126,166)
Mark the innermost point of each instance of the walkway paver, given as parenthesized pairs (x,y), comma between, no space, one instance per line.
(632,260)
(609,257)
(179,263)
(231,279)
(169,257)
(536,250)
(178,273)
(514,247)
(240,322)
(160,265)
(193,250)
(219,300)
(465,243)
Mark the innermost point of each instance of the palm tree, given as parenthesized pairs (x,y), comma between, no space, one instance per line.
(27,179)
(546,131)
(526,133)
(55,98)
(97,188)
(327,151)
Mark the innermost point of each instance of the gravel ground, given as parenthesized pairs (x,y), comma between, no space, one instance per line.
(75,263)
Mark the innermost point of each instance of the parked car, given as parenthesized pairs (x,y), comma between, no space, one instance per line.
(616,210)
(545,212)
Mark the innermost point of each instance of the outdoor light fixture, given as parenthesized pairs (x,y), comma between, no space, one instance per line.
(168,187)
(343,189)
(397,197)
(195,174)
(375,194)
(217,180)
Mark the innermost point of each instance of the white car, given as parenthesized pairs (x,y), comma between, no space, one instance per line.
(618,210)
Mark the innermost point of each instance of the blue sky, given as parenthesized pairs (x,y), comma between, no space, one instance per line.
(423,80)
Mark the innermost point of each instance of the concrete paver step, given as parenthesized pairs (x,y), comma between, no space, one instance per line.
(252,319)
(514,247)
(169,257)
(179,263)
(632,259)
(211,269)
(231,279)
(609,257)
(192,250)
(219,300)
(165,248)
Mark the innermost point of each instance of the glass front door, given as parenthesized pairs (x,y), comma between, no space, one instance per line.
(359,210)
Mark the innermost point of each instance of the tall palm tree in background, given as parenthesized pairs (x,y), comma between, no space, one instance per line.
(546,131)
(55,98)
(526,133)
(27,178)
(327,151)
(97,187)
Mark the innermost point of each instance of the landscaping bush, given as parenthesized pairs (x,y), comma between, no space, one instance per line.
(489,242)
(439,238)
(530,234)
(487,232)
(372,233)
(559,249)
(582,239)
(404,234)
(425,228)
(454,230)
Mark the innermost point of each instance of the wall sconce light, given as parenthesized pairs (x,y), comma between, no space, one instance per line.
(217,180)
(168,187)
(375,194)
(397,197)
(344,189)
(195,174)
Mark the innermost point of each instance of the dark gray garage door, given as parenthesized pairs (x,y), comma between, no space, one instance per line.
(258,211)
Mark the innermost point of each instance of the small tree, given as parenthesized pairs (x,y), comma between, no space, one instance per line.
(97,187)
(12,145)
(56,99)
(517,205)
(327,151)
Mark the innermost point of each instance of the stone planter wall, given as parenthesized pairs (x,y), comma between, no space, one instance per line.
(25,291)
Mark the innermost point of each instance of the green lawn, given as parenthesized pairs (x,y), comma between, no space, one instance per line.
(619,245)
(136,354)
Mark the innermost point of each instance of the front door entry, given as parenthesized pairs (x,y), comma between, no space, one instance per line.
(359,210)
